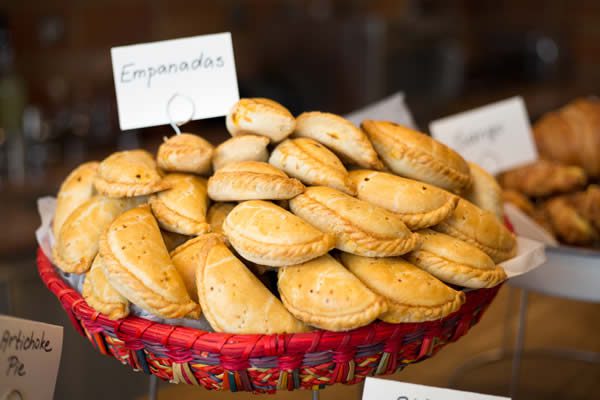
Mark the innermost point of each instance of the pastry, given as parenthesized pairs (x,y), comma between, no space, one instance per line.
(127,174)
(77,242)
(417,156)
(485,192)
(261,117)
(173,240)
(412,294)
(241,148)
(217,214)
(100,295)
(543,178)
(340,135)
(359,227)
(235,301)
(588,204)
(185,153)
(518,200)
(455,261)
(311,163)
(252,180)
(182,208)
(75,190)
(417,204)
(269,235)
(324,294)
(480,228)
(137,264)
(568,224)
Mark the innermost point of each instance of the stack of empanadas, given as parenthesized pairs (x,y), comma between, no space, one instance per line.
(307,222)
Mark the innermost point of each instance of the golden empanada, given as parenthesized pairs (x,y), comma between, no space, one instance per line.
(77,242)
(101,295)
(311,163)
(359,227)
(267,234)
(324,294)
(480,228)
(127,174)
(185,153)
(418,204)
(417,156)
(217,214)
(235,301)
(412,294)
(182,208)
(485,192)
(137,264)
(252,180)
(241,148)
(455,261)
(74,191)
(262,117)
(340,135)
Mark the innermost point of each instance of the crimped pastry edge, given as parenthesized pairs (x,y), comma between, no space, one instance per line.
(275,183)
(173,221)
(402,313)
(424,220)
(79,267)
(118,189)
(113,311)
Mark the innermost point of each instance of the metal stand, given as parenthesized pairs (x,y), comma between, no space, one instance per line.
(153,388)
(519,344)
(315,395)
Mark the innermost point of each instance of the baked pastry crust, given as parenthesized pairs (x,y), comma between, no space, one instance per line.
(267,234)
(173,240)
(252,180)
(311,163)
(568,223)
(182,208)
(128,174)
(412,294)
(543,178)
(235,301)
(76,189)
(519,200)
(340,135)
(217,214)
(417,156)
(359,227)
(137,264)
(418,204)
(455,261)
(485,192)
(262,117)
(324,294)
(241,148)
(480,228)
(185,153)
(101,296)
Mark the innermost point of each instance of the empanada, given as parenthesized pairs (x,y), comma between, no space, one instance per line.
(455,261)
(267,234)
(412,294)
(185,153)
(100,295)
(252,180)
(127,174)
(235,301)
(311,163)
(74,191)
(417,156)
(485,192)
(137,264)
(359,227)
(217,214)
(262,117)
(480,228)
(241,148)
(182,208)
(340,135)
(418,204)
(324,294)
(77,242)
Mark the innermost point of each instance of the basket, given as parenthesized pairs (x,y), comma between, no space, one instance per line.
(263,363)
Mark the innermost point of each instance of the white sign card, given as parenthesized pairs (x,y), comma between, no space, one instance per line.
(392,108)
(497,136)
(29,358)
(382,389)
(174,80)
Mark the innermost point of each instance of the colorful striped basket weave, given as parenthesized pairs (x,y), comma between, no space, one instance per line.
(263,363)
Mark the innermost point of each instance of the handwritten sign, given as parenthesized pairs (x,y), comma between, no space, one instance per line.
(392,108)
(382,389)
(497,136)
(197,72)
(29,357)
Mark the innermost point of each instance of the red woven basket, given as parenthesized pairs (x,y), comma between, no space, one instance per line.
(262,363)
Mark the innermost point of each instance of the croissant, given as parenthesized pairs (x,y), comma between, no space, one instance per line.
(588,204)
(568,224)
(542,178)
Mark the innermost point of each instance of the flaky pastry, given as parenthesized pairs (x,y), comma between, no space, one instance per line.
(262,117)
(485,192)
(101,295)
(241,148)
(568,223)
(185,153)
(543,178)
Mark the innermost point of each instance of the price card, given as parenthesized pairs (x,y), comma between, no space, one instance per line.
(497,136)
(382,389)
(392,108)
(174,80)
(29,357)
